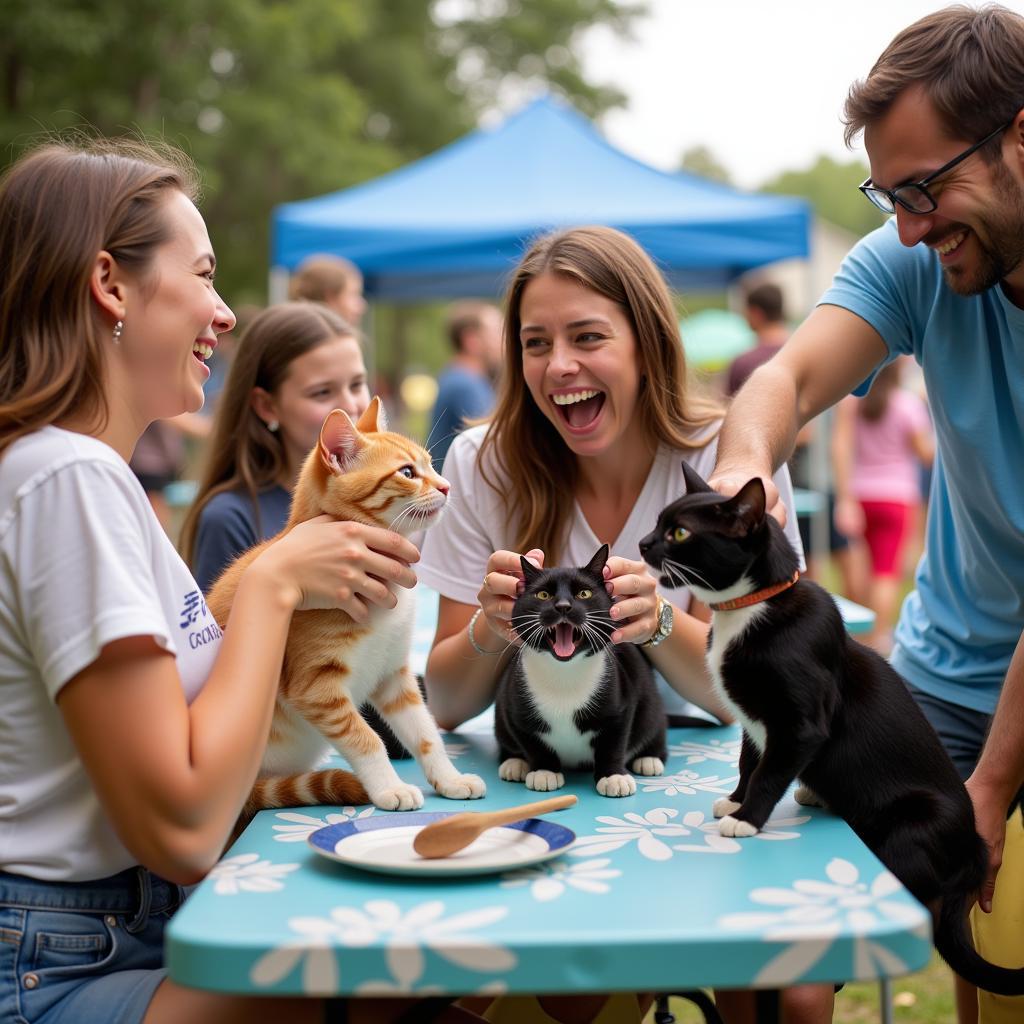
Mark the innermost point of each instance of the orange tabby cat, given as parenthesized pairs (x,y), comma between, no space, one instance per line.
(333,664)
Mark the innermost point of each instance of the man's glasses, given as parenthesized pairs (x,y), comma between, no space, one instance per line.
(915,196)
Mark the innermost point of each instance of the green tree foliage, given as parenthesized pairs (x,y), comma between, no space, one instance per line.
(701,161)
(282,99)
(831,187)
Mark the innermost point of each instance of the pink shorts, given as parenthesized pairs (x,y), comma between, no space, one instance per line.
(885,531)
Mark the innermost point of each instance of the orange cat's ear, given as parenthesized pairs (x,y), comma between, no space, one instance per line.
(340,442)
(373,421)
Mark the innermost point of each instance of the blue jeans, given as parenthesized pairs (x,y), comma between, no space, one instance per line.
(82,952)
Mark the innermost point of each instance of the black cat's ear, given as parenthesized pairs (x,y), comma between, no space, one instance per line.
(695,483)
(530,571)
(597,563)
(748,504)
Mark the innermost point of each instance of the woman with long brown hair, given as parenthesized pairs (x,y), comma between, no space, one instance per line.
(131,730)
(594,415)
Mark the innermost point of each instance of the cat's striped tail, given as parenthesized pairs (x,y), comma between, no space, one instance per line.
(329,786)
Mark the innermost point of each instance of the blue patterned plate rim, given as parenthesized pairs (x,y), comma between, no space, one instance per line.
(324,840)
(556,836)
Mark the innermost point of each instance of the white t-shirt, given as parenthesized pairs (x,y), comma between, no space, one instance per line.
(477,523)
(83,562)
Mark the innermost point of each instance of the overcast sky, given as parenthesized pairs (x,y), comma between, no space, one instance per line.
(761,83)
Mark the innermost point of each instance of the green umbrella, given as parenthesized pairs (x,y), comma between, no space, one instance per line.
(714,337)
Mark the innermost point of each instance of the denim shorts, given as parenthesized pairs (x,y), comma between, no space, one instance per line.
(82,952)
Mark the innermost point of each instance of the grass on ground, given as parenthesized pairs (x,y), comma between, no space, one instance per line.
(922,998)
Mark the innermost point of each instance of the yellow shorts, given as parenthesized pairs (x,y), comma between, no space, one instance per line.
(999,936)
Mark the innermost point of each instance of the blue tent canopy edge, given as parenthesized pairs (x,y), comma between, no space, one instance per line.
(456,222)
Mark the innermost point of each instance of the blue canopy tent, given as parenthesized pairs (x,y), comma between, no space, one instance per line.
(454,223)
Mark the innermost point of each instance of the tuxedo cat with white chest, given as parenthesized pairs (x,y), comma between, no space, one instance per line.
(572,699)
(820,708)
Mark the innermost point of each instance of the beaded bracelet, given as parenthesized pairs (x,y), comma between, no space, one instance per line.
(472,638)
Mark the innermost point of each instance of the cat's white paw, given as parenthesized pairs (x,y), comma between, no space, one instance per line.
(648,766)
(723,806)
(616,785)
(735,829)
(461,787)
(513,769)
(402,797)
(544,781)
(806,797)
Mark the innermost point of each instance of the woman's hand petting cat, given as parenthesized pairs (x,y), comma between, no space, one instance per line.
(345,565)
(503,581)
(635,610)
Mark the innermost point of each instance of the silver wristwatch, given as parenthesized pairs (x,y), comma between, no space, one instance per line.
(665,620)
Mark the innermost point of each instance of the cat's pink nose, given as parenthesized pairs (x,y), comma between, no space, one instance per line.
(443,486)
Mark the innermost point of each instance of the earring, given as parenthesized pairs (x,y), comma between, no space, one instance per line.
(118,328)
(272,426)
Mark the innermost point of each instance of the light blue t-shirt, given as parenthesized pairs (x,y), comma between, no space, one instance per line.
(958,629)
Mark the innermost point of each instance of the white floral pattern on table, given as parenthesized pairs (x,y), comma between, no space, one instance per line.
(649,832)
(301,826)
(550,880)
(405,933)
(246,872)
(774,829)
(726,751)
(688,783)
(813,912)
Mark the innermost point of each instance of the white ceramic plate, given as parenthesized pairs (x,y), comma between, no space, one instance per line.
(384,843)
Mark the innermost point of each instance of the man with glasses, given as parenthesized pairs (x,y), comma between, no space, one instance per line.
(942,112)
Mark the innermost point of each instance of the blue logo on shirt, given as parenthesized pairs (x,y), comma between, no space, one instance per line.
(194,609)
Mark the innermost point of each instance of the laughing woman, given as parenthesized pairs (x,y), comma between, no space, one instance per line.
(593,421)
(594,418)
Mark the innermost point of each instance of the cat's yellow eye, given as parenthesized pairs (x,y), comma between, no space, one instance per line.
(543,595)
(680,533)
(409,472)
(585,594)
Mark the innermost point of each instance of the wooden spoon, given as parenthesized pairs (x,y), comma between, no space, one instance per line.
(449,835)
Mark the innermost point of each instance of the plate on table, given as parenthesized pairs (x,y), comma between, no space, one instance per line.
(383,843)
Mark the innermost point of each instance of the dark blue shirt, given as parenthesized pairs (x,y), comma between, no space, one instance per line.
(227,527)
(461,395)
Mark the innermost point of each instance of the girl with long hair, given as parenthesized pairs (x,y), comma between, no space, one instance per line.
(295,363)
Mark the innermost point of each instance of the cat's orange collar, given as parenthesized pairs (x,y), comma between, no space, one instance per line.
(756,597)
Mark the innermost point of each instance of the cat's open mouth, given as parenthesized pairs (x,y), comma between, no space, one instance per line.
(565,638)
(579,411)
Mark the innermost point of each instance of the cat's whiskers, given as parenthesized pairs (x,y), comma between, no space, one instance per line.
(534,627)
(437,423)
(598,641)
(688,575)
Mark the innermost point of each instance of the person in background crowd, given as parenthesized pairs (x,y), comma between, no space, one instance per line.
(335,282)
(878,442)
(766,314)
(464,387)
(159,458)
